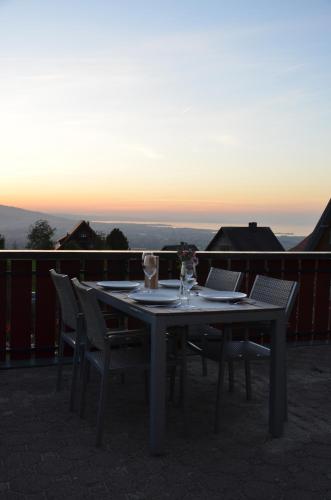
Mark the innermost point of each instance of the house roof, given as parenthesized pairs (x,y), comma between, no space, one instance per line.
(311,241)
(249,238)
(81,224)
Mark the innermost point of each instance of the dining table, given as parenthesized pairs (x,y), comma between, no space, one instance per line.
(200,310)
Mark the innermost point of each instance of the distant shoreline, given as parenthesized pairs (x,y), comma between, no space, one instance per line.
(300,231)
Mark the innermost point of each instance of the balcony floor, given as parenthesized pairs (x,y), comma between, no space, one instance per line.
(46,452)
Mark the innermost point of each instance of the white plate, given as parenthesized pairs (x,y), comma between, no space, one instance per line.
(222,296)
(153,298)
(172,283)
(119,285)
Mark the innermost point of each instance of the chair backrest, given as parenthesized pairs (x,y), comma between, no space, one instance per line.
(275,291)
(95,324)
(68,302)
(222,279)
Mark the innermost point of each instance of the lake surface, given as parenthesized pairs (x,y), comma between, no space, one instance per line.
(295,230)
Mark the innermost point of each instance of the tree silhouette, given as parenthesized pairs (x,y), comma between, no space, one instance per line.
(40,236)
(116,240)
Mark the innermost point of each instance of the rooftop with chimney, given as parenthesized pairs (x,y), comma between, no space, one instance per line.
(247,238)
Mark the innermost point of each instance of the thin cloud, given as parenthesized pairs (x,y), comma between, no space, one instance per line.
(186,110)
(227,140)
(143,150)
(46,77)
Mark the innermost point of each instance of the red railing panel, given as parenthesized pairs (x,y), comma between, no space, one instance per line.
(174,269)
(256,266)
(322,299)
(220,263)
(306,298)
(70,267)
(45,304)
(164,268)
(21,309)
(241,265)
(94,270)
(117,269)
(135,269)
(291,272)
(202,269)
(3,309)
(274,268)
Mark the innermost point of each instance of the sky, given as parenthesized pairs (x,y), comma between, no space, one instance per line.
(181,110)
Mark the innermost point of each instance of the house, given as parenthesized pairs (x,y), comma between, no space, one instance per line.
(320,239)
(249,238)
(82,237)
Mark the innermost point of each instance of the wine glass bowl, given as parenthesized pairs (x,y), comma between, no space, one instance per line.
(188,281)
(149,267)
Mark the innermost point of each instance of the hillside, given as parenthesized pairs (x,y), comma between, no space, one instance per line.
(15,223)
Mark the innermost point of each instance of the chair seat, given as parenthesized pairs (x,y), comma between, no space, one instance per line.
(237,350)
(69,337)
(197,331)
(211,332)
(121,359)
(246,349)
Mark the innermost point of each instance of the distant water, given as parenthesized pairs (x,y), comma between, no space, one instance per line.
(295,230)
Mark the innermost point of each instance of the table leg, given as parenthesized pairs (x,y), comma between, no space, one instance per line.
(157,390)
(277,394)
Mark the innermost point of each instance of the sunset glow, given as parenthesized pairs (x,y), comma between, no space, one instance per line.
(166,107)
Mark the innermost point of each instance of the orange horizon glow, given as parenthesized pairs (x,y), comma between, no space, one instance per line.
(43,203)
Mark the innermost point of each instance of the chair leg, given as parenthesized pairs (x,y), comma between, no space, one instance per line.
(173,349)
(183,381)
(85,378)
(286,400)
(220,381)
(231,376)
(102,404)
(172,383)
(248,380)
(81,360)
(75,370)
(203,357)
(59,365)
(204,365)
(146,383)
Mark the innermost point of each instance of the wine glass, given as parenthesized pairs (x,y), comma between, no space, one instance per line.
(149,267)
(189,279)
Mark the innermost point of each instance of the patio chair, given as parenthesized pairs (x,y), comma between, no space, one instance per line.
(223,279)
(108,351)
(265,289)
(217,279)
(71,329)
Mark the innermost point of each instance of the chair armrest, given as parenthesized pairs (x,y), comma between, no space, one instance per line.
(124,336)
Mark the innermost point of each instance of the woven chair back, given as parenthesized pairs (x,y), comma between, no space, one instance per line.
(275,291)
(68,303)
(95,325)
(222,279)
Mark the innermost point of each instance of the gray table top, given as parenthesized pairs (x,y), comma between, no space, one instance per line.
(197,304)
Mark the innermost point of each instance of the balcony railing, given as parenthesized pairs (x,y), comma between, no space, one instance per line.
(29,312)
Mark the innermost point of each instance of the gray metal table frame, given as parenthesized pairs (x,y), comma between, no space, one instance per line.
(159,319)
